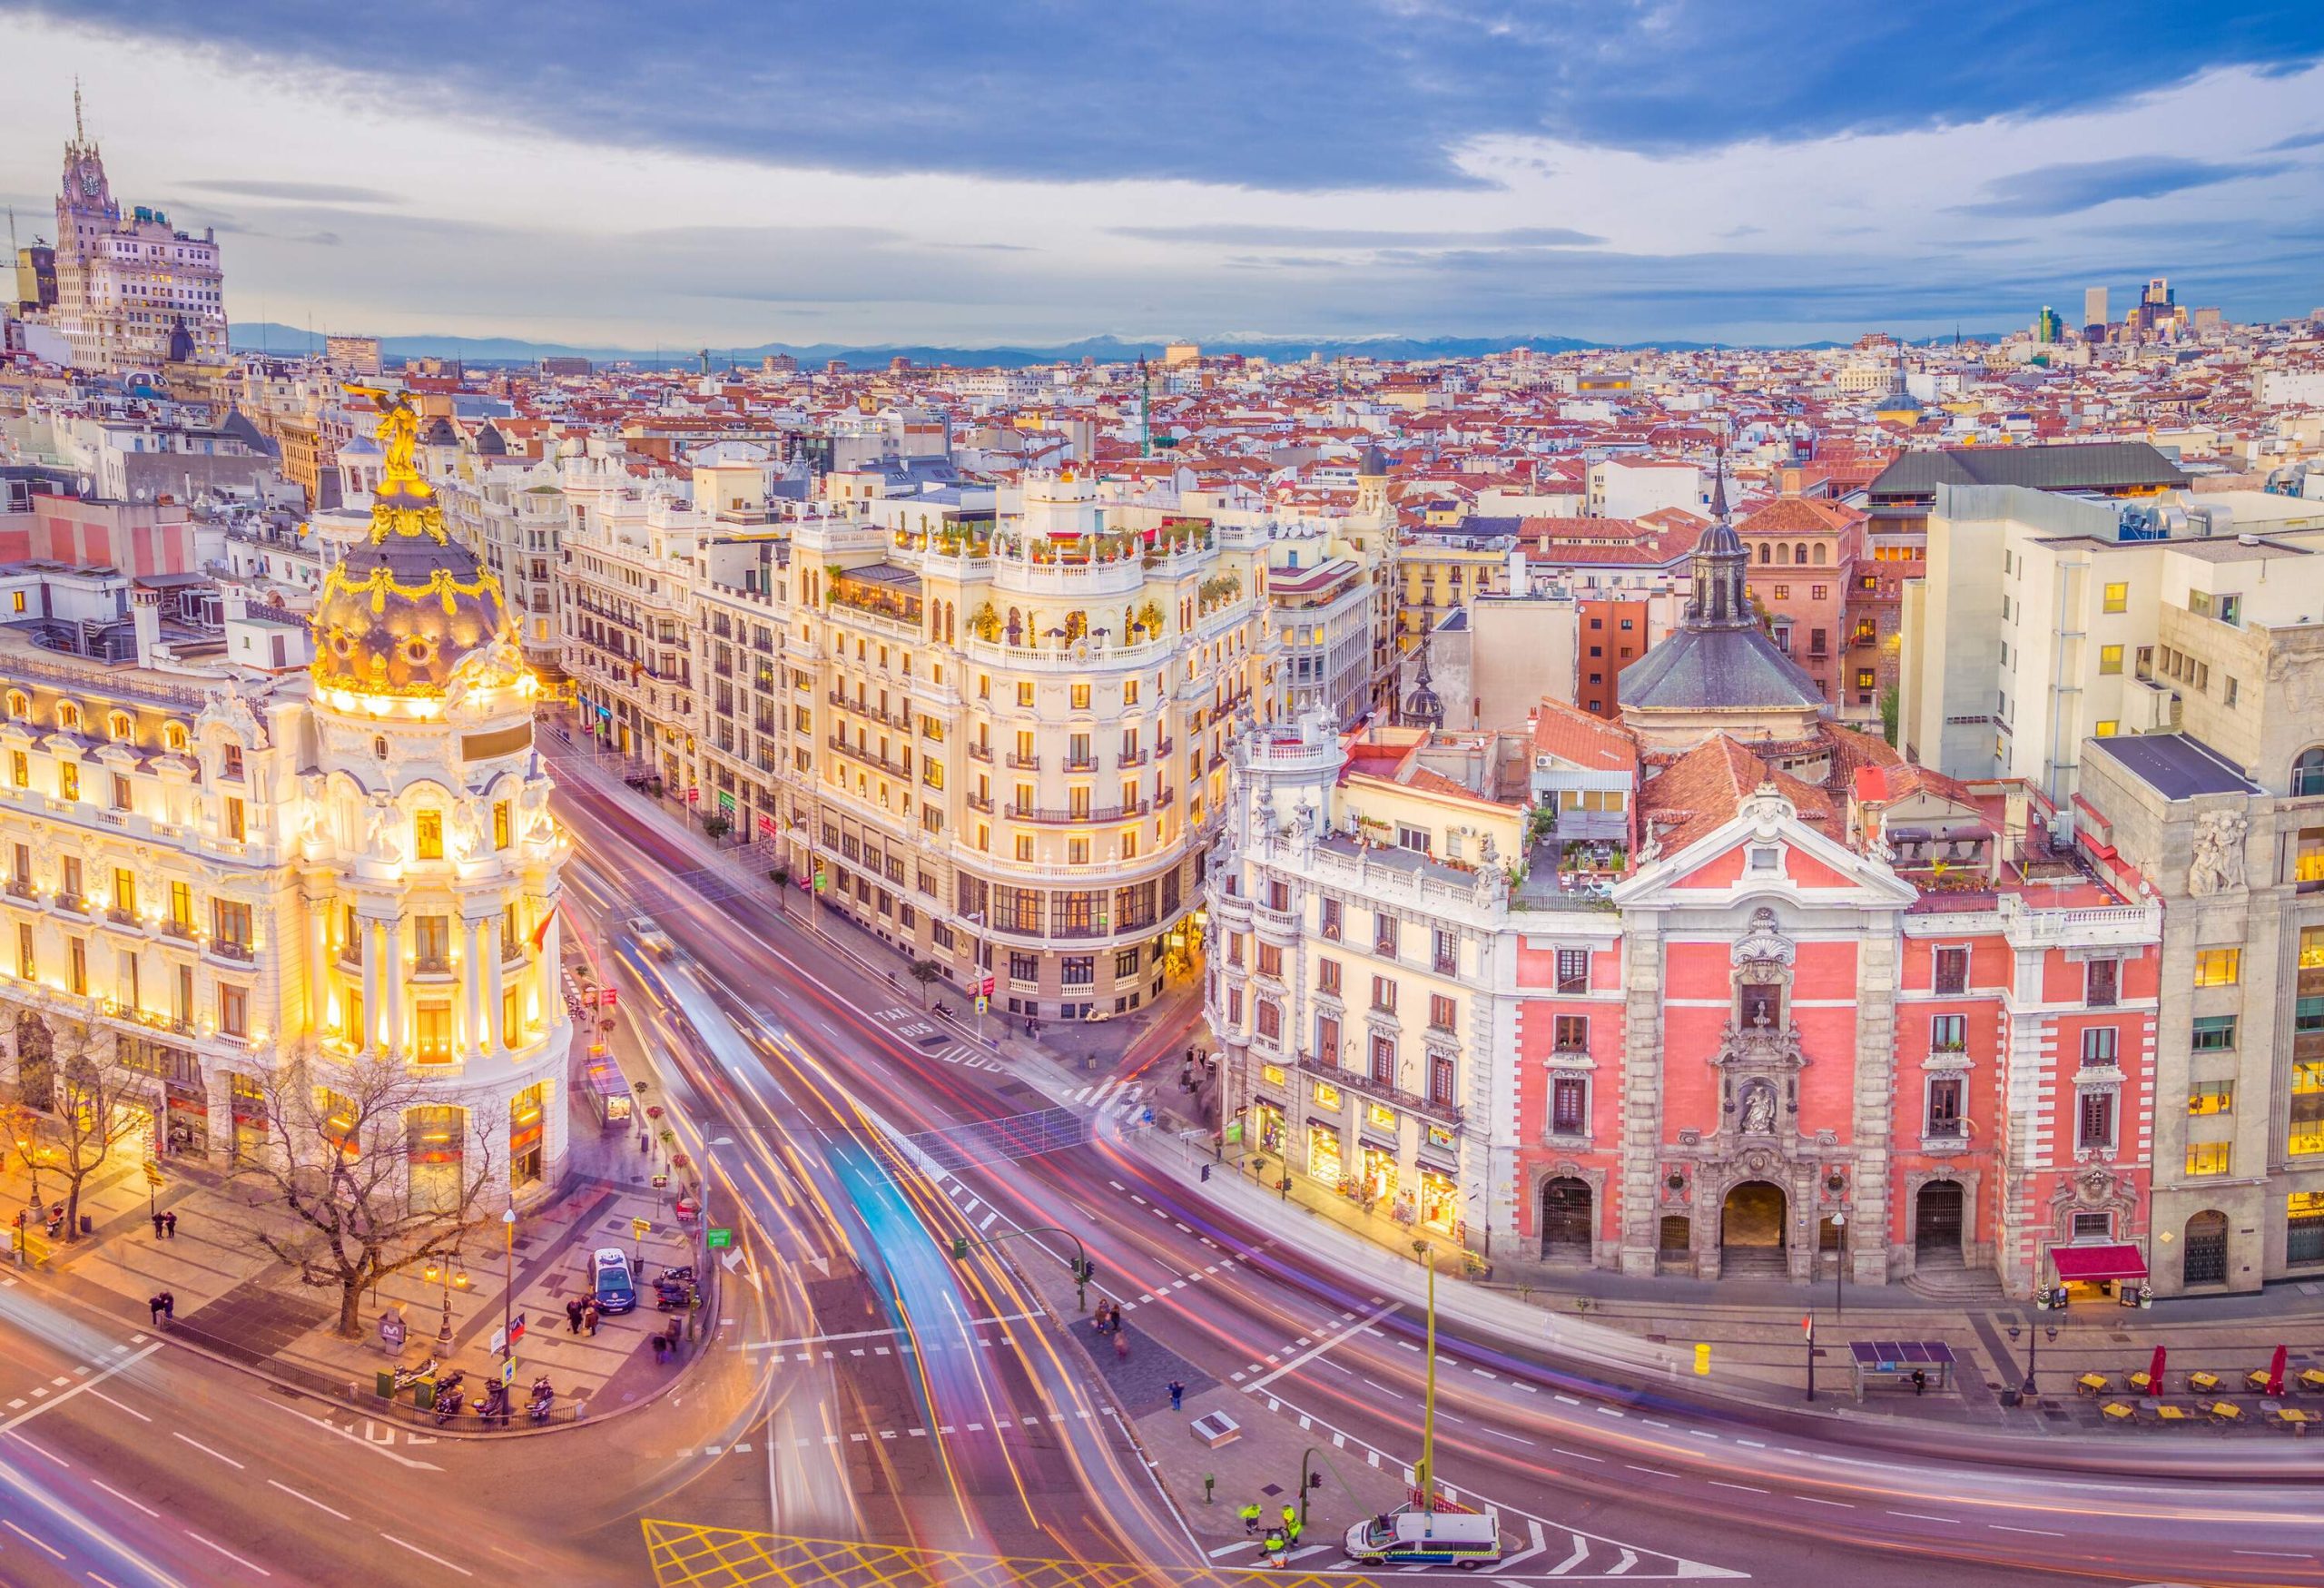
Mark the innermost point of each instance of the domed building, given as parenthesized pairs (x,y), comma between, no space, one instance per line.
(227,875)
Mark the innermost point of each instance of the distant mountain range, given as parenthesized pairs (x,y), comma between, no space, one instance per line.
(267,336)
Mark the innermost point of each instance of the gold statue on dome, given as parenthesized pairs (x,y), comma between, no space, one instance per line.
(404,503)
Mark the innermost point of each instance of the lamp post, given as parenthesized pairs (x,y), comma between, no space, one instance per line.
(443,1272)
(2033,1354)
(1839,1259)
(508,1283)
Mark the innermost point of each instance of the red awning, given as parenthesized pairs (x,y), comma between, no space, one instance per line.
(2085,1265)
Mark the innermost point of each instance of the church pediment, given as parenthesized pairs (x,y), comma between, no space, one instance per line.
(1764,846)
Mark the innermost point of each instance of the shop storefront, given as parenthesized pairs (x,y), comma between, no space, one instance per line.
(248,1100)
(2112,1271)
(1266,1123)
(436,1141)
(1378,1178)
(1324,1162)
(1440,1201)
(189,1120)
(526,1114)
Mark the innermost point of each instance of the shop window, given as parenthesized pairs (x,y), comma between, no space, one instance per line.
(2304,1226)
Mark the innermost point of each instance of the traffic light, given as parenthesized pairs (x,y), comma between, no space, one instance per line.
(959,1248)
(1084,1270)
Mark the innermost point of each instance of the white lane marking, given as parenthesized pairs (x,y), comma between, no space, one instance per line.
(2038,1532)
(1925,1516)
(229,1554)
(355,1438)
(36,1450)
(1317,1349)
(54,1402)
(310,1500)
(1569,1400)
(1580,1553)
(29,1538)
(118,1406)
(1650,1471)
(988,1220)
(1747,1488)
(1576,1454)
(1812,1500)
(1540,1543)
(1229,1549)
(124,1499)
(2274,1555)
(415,1549)
(217,1454)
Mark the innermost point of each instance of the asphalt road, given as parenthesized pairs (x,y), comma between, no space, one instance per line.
(871,1386)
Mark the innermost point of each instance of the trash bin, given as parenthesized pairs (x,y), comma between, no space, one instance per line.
(385,1388)
(88,1224)
(423,1395)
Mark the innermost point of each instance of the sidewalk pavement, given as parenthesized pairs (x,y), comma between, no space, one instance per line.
(236,1300)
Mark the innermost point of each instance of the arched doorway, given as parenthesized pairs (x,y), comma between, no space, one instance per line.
(1567,1221)
(1674,1250)
(2204,1261)
(1751,1228)
(1936,1225)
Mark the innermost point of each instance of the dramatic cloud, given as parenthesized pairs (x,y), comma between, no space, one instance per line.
(292,191)
(1300,96)
(2062,189)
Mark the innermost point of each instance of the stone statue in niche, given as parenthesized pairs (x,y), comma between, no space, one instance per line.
(1760,1108)
(2217,862)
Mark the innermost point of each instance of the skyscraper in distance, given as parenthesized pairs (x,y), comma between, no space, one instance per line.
(2094,306)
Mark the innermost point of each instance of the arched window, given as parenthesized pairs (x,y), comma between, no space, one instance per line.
(119,725)
(1799,553)
(1819,554)
(2307,771)
(68,715)
(20,705)
(1783,554)
(173,735)
(1766,554)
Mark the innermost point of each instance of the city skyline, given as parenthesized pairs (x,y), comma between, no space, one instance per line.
(1759,207)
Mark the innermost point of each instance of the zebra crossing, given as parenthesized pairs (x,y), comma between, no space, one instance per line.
(1120,1099)
(912,1026)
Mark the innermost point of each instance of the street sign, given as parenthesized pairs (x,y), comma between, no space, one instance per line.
(688,1209)
(392,1330)
(983,1003)
(508,1372)
(610,997)
(661,1182)
(640,1228)
(720,1237)
(1234,1131)
(153,1174)
(694,796)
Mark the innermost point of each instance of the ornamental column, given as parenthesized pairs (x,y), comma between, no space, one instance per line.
(375,955)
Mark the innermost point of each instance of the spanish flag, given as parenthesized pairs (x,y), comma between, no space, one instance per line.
(540,933)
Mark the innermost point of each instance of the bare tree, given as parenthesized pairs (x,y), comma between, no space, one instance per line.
(100,1102)
(22,1129)
(342,1145)
(927,973)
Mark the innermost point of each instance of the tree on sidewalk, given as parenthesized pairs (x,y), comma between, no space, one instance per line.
(100,1102)
(779,875)
(376,1176)
(21,1138)
(927,973)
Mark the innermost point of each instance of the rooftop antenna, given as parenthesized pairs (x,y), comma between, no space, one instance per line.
(79,137)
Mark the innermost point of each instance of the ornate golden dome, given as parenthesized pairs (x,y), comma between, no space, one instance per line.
(403,612)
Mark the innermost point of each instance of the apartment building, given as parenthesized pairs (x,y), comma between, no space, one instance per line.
(625,604)
(1002,739)
(512,512)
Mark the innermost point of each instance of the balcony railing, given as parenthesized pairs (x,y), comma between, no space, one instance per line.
(227,948)
(978,801)
(1022,763)
(1050,813)
(1081,763)
(980,753)
(1357,1081)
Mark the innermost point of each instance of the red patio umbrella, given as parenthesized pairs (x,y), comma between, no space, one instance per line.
(2276,1372)
(2155,1371)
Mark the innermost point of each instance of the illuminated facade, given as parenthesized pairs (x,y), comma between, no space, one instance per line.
(234,874)
(1003,734)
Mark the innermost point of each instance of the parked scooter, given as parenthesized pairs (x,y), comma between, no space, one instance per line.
(543,1398)
(448,1397)
(493,1406)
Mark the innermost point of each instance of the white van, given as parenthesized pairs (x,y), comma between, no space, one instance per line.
(1408,1537)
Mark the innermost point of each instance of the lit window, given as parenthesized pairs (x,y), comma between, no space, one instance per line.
(2218,967)
(428,835)
(2118,598)
(2208,1158)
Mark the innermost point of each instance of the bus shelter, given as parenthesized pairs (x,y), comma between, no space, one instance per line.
(1891,1363)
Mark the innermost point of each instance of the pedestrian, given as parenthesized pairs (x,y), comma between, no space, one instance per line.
(1178,1395)
(1920,1381)
(573,1318)
(1250,1515)
(589,1319)
(661,1348)
(1121,1346)
(157,1227)
(1290,1516)
(170,1222)
(154,1301)
(1273,1550)
(169,1306)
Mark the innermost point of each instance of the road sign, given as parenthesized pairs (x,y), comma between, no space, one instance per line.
(610,996)
(688,1209)
(508,1372)
(983,1003)
(661,1182)
(640,1228)
(153,1173)
(720,1237)
(1234,1132)
(694,796)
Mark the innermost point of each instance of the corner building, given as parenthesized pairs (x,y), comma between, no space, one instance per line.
(1005,737)
(232,873)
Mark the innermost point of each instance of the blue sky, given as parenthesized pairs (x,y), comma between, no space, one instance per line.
(739,172)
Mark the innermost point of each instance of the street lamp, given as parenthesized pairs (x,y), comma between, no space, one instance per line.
(508,1283)
(450,1275)
(1840,1259)
(2033,1354)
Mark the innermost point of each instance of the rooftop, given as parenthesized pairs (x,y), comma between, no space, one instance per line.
(2176,766)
